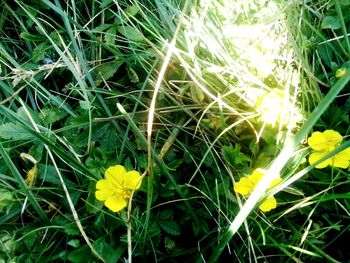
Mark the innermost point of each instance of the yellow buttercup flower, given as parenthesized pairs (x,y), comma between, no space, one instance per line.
(246,185)
(117,187)
(269,204)
(322,144)
(324,141)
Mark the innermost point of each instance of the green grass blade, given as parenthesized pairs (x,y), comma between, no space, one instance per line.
(343,26)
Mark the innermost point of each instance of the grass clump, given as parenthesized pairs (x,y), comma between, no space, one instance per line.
(194,102)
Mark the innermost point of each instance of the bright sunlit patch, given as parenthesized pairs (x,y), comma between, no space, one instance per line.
(270,105)
(277,108)
(258,48)
(255,55)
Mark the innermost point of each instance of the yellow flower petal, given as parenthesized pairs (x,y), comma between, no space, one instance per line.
(115,175)
(275,182)
(256,176)
(244,187)
(333,138)
(326,141)
(268,204)
(317,141)
(102,184)
(102,195)
(104,190)
(315,156)
(132,180)
(339,161)
(345,154)
(115,203)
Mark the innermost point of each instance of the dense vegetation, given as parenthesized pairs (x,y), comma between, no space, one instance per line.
(230,119)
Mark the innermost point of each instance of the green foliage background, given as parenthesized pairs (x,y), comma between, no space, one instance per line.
(66,65)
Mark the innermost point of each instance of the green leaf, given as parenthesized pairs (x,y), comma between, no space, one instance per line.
(334,66)
(105,3)
(132,10)
(30,240)
(98,131)
(39,52)
(233,155)
(6,199)
(48,173)
(169,243)
(263,160)
(71,229)
(7,243)
(13,131)
(106,71)
(167,190)
(31,37)
(171,227)
(80,255)
(331,22)
(165,214)
(110,35)
(101,28)
(74,243)
(52,115)
(109,253)
(23,114)
(131,33)
(92,205)
(109,140)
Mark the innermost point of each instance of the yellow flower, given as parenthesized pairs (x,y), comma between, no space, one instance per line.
(340,160)
(246,185)
(324,141)
(117,187)
(323,144)
(271,105)
(268,204)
